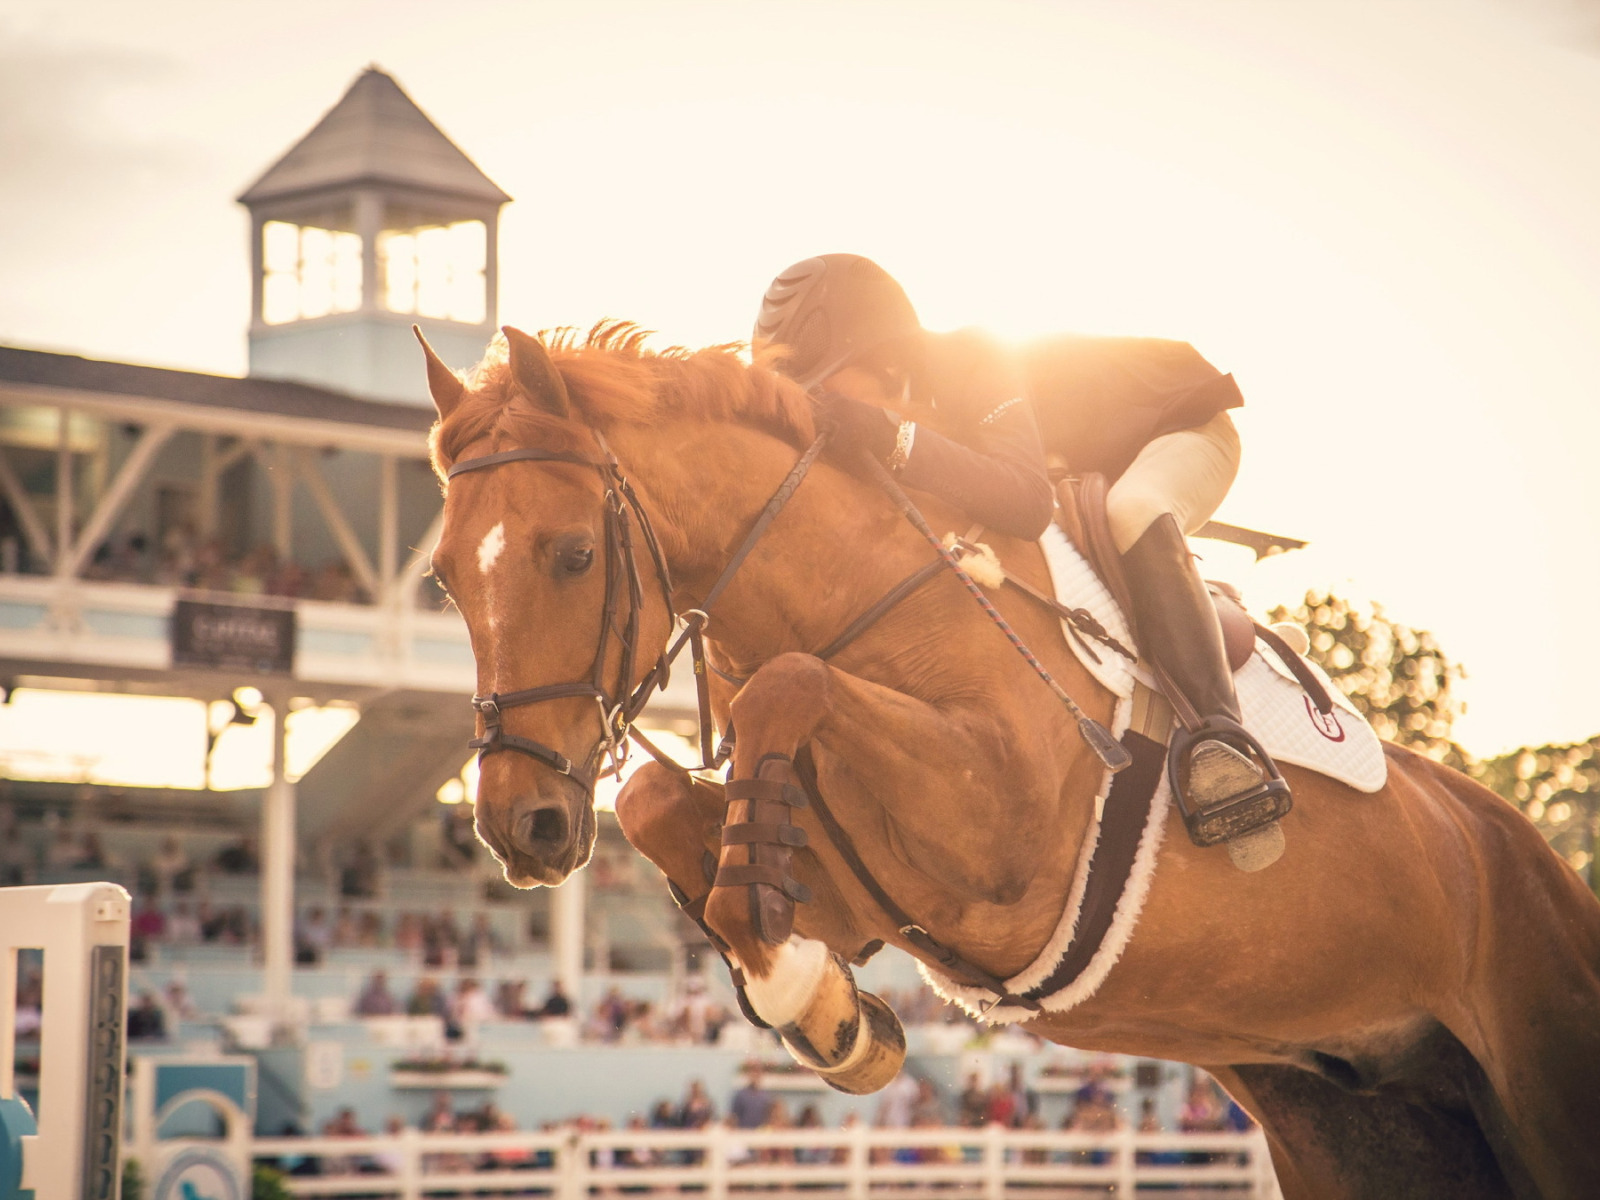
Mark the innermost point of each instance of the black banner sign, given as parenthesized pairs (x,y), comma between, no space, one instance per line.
(233,636)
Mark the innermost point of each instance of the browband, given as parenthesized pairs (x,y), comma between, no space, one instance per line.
(529,454)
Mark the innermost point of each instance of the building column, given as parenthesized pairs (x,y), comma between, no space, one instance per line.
(282,479)
(491,269)
(567,924)
(64,490)
(277,873)
(388,525)
(369,217)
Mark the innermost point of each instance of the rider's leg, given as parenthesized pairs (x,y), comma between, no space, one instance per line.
(1187,474)
(1178,628)
(1170,490)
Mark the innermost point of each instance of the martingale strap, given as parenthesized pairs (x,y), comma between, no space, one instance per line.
(949,959)
(696,620)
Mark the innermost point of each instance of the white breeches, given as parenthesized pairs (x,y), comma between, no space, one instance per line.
(1186,473)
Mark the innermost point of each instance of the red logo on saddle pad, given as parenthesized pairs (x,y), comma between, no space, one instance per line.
(1327,725)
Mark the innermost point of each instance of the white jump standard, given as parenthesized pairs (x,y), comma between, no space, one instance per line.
(70,1151)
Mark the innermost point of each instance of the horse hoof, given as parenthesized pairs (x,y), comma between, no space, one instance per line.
(1258,849)
(879,1055)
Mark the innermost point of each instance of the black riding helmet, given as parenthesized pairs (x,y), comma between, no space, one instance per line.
(831,311)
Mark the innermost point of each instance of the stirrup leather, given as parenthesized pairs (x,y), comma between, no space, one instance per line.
(1255,805)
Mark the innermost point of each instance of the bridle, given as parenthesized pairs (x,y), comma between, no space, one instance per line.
(618,707)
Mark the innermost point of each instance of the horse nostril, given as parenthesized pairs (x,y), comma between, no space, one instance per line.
(543,826)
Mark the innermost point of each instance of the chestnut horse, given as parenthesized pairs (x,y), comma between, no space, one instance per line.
(1409,1001)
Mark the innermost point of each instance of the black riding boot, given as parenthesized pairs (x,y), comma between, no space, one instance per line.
(1227,784)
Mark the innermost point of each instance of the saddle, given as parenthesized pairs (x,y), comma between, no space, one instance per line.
(1082,517)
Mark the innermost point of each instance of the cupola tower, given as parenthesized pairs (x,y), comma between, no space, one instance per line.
(373,221)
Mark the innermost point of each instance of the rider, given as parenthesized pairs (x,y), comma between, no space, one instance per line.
(1149,414)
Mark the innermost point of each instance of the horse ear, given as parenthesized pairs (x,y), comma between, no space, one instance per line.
(535,374)
(445,388)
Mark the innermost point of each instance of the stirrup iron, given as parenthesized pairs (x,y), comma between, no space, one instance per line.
(1232,755)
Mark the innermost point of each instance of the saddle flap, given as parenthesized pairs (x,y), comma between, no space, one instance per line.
(1082,517)
(1238,627)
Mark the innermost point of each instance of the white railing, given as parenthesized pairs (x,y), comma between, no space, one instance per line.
(718,1162)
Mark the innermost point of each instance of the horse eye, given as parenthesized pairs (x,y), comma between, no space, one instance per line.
(578,560)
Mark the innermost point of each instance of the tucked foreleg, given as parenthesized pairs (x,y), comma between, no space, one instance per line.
(849,1037)
(674,821)
(756,890)
(961,798)
(800,985)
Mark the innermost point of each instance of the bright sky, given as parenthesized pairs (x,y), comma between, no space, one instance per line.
(1379,216)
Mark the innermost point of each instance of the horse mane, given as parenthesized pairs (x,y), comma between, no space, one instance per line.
(612,379)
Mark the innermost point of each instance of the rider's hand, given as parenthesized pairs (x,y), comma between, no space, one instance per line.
(857,425)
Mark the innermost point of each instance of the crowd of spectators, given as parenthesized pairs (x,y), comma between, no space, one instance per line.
(172,905)
(691,1017)
(908,1103)
(182,559)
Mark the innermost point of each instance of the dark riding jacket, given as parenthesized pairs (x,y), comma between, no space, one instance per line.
(1091,402)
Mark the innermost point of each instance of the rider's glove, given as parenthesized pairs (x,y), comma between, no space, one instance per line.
(857,425)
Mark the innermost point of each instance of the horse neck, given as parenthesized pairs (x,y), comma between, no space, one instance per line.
(835,550)
(826,558)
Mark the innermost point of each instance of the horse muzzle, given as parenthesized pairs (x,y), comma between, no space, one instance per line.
(542,838)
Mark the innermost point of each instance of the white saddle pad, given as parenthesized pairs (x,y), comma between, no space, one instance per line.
(1275,708)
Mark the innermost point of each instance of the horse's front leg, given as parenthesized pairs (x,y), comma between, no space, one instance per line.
(964,798)
(795,977)
(850,1038)
(675,821)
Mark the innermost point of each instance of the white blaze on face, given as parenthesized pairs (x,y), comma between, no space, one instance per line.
(489,549)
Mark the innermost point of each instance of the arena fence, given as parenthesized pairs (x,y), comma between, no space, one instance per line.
(716,1163)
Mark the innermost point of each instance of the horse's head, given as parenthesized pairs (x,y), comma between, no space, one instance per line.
(565,619)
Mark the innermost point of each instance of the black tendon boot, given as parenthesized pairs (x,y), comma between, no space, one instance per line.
(1226,784)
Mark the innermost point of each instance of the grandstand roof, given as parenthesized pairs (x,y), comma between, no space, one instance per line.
(375,134)
(40,368)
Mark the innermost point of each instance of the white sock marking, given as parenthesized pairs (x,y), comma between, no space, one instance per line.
(796,974)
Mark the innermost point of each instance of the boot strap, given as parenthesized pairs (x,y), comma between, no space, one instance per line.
(740,874)
(763,833)
(772,790)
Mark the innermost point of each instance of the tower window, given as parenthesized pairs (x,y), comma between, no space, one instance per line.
(435,270)
(310,272)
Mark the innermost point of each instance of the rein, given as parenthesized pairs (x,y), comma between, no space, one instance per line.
(1098,738)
